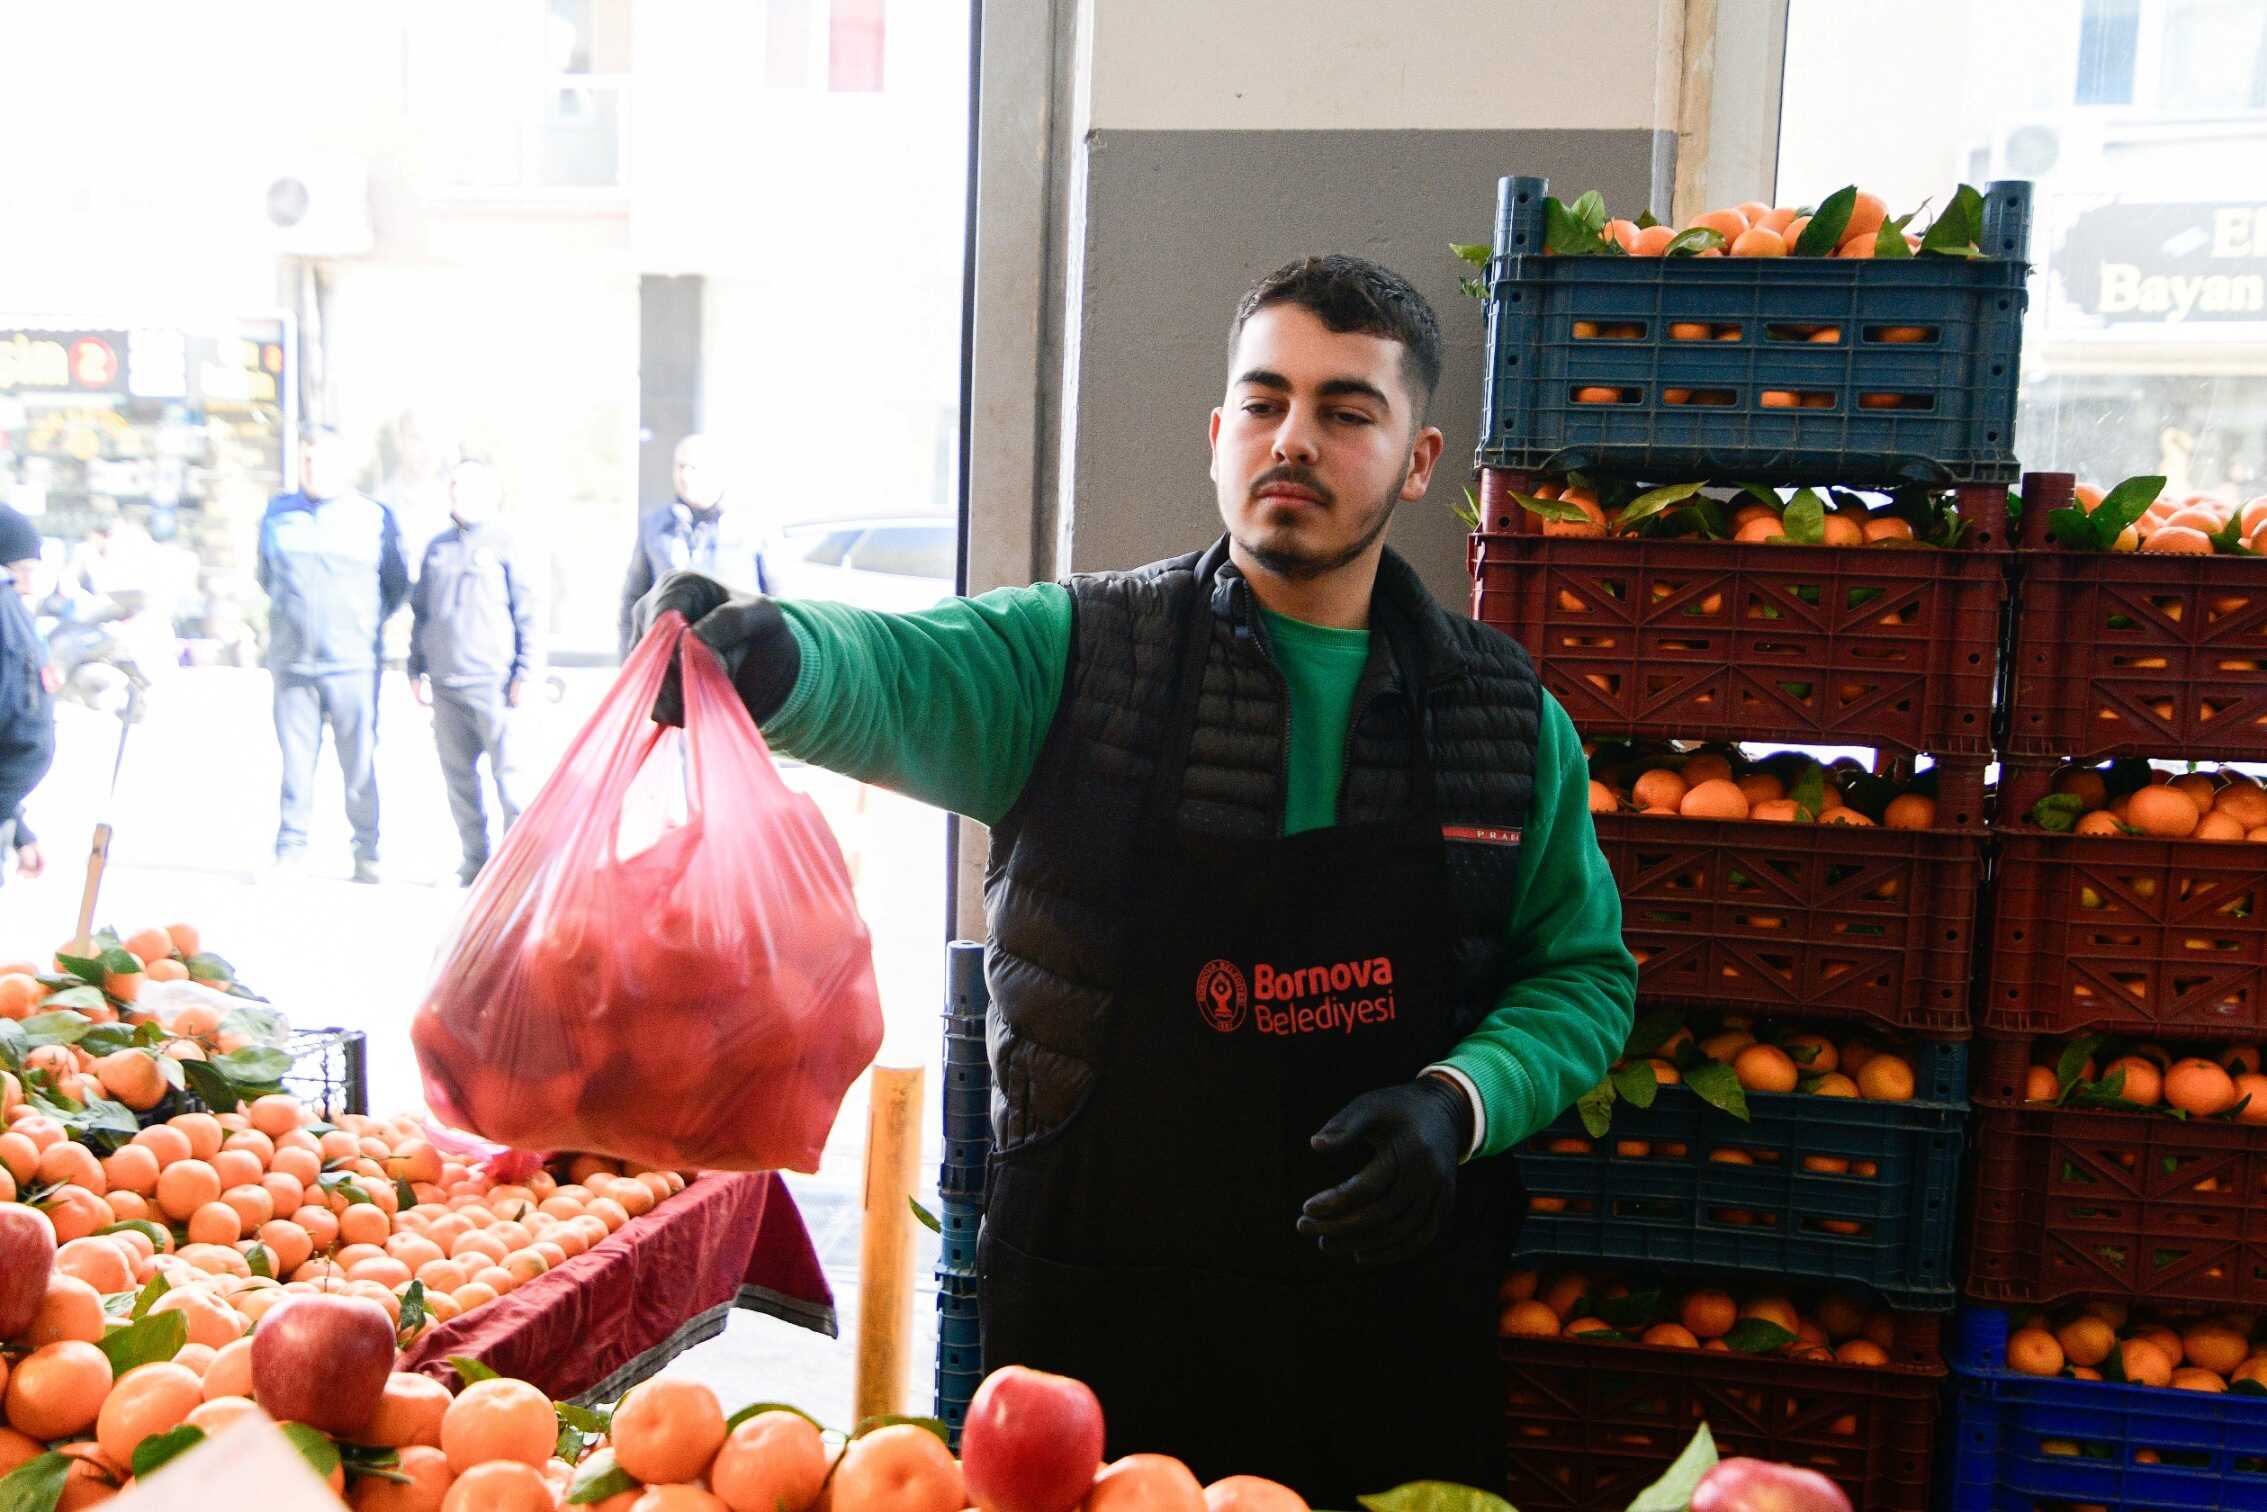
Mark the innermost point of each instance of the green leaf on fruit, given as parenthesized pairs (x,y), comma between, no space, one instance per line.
(1652,1030)
(262,1026)
(2247,1386)
(1475,253)
(2058,813)
(1804,523)
(152,1338)
(927,1219)
(1810,793)
(1757,1336)
(1889,242)
(754,1409)
(1636,1084)
(58,1027)
(209,1087)
(469,1370)
(1568,232)
(1719,1086)
(204,966)
(1435,1496)
(87,969)
(314,1446)
(1823,236)
(1551,509)
(160,1448)
(599,1478)
(253,1064)
(1632,1314)
(1956,231)
(346,1183)
(1673,1491)
(1646,220)
(1646,505)
(1694,241)
(893,1419)
(157,1286)
(36,1485)
(256,1261)
(1596,1109)
(590,1420)
(367,1462)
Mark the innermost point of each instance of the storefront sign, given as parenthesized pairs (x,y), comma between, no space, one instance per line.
(2166,264)
(61,362)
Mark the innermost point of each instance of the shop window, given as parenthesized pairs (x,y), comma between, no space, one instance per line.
(525,95)
(2142,126)
(836,44)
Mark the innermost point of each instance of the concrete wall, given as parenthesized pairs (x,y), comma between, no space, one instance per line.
(1215,143)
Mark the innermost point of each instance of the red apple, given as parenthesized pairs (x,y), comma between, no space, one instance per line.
(1753,1485)
(323,1361)
(1145,1483)
(27,1249)
(1032,1441)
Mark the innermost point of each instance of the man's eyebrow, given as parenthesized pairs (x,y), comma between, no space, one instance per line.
(1330,388)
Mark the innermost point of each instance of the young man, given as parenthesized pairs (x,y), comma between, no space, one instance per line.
(694,532)
(27,701)
(471,650)
(1297,924)
(331,564)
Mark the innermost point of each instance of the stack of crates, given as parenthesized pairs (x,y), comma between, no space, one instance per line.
(960,1182)
(2154,942)
(1871,929)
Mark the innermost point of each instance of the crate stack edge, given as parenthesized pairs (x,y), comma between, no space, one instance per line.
(1699,640)
(960,1183)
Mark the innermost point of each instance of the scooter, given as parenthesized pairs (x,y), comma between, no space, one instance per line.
(98,658)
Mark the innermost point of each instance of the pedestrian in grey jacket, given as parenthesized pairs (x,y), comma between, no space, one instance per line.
(694,532)
(471,652)
(331,563)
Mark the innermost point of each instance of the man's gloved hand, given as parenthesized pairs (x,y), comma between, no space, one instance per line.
(747,633)
(1395,1206)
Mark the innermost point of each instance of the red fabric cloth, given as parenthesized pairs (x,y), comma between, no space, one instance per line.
(657,1285)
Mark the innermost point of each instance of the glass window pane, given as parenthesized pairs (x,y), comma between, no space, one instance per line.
(907,551)
(2145,339)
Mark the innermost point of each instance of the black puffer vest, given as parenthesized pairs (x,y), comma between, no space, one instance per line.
(1056,876)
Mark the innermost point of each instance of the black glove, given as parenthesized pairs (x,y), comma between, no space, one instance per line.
(1396,1204)
(747,632)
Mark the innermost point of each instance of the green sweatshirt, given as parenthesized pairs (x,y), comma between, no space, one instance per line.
(952,704)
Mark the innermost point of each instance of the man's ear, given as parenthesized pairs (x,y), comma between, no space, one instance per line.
(1212,441)
(1424,452)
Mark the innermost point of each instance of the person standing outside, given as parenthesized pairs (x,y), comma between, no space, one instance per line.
(27,689)
(471,653)
(1297,923)
(696,531)
(330,560)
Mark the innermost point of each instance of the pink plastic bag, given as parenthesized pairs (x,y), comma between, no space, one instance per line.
(664,963)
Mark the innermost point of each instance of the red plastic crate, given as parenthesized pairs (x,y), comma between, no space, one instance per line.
(1725,640)
(2165,938)
(1591,1425)
(2133,654)
(1805,920)
(2095,1202)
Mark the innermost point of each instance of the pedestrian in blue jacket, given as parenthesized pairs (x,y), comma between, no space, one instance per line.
(471,652)
(331,563)
(696,532)
(27,703)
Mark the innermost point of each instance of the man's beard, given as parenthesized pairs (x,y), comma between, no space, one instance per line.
(1304,566)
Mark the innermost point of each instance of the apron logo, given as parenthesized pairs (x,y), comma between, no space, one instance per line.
(1222,997)
(1333,999)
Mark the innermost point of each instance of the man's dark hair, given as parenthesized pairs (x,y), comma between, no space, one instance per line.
(1357,296)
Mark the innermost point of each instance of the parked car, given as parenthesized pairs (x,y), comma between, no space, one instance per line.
(889,562)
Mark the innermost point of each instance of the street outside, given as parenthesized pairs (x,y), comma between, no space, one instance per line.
(194,819)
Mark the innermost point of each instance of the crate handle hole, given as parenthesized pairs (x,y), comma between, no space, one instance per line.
(1606,393)
(1901,335)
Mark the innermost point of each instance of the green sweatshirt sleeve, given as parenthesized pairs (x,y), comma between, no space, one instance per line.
(1573,991)
(949,705)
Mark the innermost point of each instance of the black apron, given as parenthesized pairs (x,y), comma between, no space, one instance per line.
(1149,1246)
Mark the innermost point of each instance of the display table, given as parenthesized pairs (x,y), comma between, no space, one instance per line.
(615,1314)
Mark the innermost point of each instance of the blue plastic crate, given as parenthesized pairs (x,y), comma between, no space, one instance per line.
(2211,1449)
(1892,1231)
(967,1107)
(1957,382)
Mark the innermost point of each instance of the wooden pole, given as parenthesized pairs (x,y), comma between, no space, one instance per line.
(885,1261)
(82,942)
